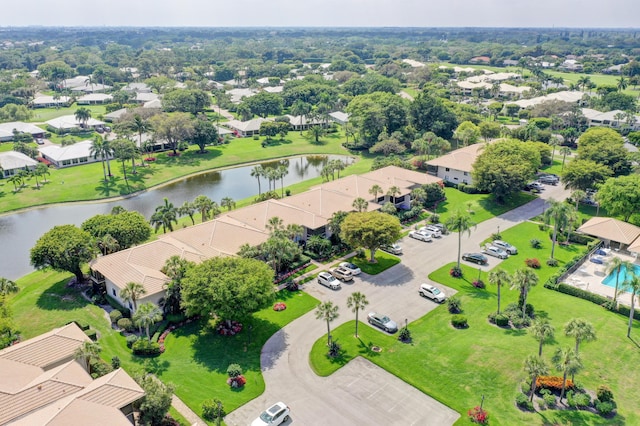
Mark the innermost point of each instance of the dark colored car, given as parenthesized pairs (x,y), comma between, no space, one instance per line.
(478,258)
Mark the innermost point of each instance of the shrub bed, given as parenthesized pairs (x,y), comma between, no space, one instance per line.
(459,321)
(115,316)
(553,383)
(143,347)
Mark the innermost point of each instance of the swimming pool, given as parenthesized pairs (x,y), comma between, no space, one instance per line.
(610,281)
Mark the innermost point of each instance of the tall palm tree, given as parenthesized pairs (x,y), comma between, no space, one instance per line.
(187,209)
(87,352)
(541,330)
(165,215)
(565,150)
(204,205)
(16,180)
(147,315)
(393,192)
(228,203)
(616,265)
(499,278)
(375,190)
(360,204)
(356,302)
(89,82)
(578,195)
(567,361)
(460,222)
(623,83)
(140,126)
(328,312)
(581,330)
(632,285)
(535,366)
(282,172)
(83,115)
(300,108)
(124,150)
(108,244)
(132,292)
(560,214)
(523,280)
(584,81)
(258,172)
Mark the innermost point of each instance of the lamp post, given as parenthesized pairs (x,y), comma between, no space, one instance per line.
(498,230)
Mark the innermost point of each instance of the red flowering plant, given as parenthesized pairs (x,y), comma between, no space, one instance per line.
(280,306)
(455,272)
(479,284)
(229,328)
(478,415)
(532,263)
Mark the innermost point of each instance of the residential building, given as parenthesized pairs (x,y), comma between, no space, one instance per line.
(624,235)
(137,88)
(94,99)
(572,96)
(11,162)
(339,117)
(69,155)
(66,123)
(243,129)
(238,94)
(7,130)
(46,101)
(456,166)
(301,122)
(41,383)
(615,119)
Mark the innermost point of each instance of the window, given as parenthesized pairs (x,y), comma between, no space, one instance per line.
(66,162)
(113,290)
(447,169)
(84,159)
(75,161)
(466,173)
(130,305)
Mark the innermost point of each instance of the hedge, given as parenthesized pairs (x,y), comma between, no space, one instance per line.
(592,297)
(126,312)
(115,315)
(83,325)
(92,334)
(143,347)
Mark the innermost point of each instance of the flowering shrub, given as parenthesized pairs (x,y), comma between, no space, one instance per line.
(420,164)
(150,159)
(478,284)
(236,382)
(478,415)
(455,272)
(229,330)
(553,383)
(279,307)
(171,154)
(532,263)
(284,276)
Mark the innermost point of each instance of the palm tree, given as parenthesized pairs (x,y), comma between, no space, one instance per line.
(83,115)
(499,278)
(623,83)
(360,204)
(165,215)
(258,172)
(535,366)
(123,150)
(89,82)
(357,301)
(108,244)
(523,280)
(421,146)
(632,285)
(86,352)
(616,265)
(16,180)
(584,81)
(567,361)
(187,209)
(228,203)
(460,222)
(204,205)
(337,165)
(541,330)
(375,190)
(282,171)
(38,172)
(146,316)
(581,330)
(132,292)
(7,287)
(393,192)
(140,126)
(328,312)
(300,108)
(274,225)
(560,214)
(578,195)
(565,150)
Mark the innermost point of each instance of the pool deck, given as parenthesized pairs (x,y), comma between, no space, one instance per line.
(589,276)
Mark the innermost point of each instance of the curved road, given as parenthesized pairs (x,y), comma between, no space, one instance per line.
(361,393)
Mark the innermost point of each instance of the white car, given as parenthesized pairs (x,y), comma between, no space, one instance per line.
(431,229)
(421,236)
(350,266)
(394,248)
(431,292)
(277,414)
(495,252)
(505,246)
(328,280)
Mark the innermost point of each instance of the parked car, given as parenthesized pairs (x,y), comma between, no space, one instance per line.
(495,252)
(478,258)
(99,129)
(328,280)
(534,187)
(433,230)
(505,246)
(394,248)
(421,236)
(341,273)
(431,292)
(549,179)
(40,141)
(383,322)
(350,266)
(277,414)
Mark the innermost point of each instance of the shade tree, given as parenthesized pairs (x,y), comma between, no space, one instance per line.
(370,230)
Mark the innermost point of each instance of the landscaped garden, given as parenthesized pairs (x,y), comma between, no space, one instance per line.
(459,367)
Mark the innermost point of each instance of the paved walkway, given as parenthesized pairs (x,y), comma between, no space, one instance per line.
(187,412)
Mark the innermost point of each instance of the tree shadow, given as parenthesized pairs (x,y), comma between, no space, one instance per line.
(156,365)
(61,297)
(106,188)
(365,349)
(515,331)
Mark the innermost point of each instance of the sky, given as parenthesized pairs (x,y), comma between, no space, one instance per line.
(324,13)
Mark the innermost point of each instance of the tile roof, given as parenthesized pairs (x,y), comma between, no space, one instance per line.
(70,122)
(610,229)
(461,159)
(15,160)
(60,153)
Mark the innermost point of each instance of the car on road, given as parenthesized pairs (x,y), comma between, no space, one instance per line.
(433,230)
(277,414)
(394,248)
(383,322)
(342,273)
(431,292)
(478,258)
(328,280)
(495,252)
(510,249)
(350,266)
(421,236)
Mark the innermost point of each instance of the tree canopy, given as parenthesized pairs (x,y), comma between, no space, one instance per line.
(129,228)
(584,174)
(605,146)
(370,230)
(621,195)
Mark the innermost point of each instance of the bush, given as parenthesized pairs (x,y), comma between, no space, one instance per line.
(519,322)
(580,238)
(234,370)
(604,394)
(115,362)
(334,349)
(553,383)
(604,407)
(143,347)
(549,399)
(454,304)
(525,387)
(459,321)
(478,415)
(523,402)
(125,324)
(502,320)
(237,382)
(404,335)
(455,272)
(532,263)
(434,218)
(115,315)
(131,339)
(469,189)
(212,411)
(535,243)
(552,262)
(581,400)
(92,334)
(479,284)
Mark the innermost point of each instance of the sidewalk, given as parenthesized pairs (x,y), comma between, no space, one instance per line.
(187,412)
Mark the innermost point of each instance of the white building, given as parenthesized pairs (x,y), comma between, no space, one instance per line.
(456,166)
(69,155)
(11,162)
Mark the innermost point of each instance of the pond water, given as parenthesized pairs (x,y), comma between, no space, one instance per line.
(20,231)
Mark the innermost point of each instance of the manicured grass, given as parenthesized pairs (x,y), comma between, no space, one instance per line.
(556,167)
(41,115)
(458,367)
(86,182)
(482,206)
(182,421)
(384,261)
(309,268)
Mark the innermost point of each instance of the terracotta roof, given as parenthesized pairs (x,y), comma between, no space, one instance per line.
(634,247)
(461,159)
(610,229)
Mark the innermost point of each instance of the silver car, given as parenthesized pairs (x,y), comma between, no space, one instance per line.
(495,252)
(383,322)
(421,236)
(505,246)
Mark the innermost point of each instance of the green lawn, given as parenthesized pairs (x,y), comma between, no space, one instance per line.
(482,207)
(40,115)
(383,262)
(457,367)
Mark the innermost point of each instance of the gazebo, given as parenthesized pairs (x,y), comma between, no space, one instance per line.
(610,230)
